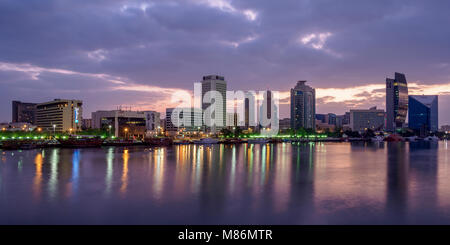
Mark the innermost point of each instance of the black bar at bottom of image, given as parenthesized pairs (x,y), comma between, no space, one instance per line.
(224,233)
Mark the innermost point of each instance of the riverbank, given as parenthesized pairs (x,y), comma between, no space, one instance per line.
(24,144)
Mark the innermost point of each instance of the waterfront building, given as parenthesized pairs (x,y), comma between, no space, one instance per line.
(285,123)
(303,106)
(152,121)
(362,120)
(185,122)
(343,120)
(17,126)
(215,83)
(329,118)
(396,102)
(23,112)
(320,117)
(126,123)
(232,120)
(86,123)
(322,127)
(270,112)
(423,113)
(59,115)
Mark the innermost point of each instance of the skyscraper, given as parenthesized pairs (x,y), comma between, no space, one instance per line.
(423,112)
(396,102)
(23,112)
(303,106)
(215,83)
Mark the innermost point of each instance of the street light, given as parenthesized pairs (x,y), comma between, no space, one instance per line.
(126,132)
(109,129)
(54,128)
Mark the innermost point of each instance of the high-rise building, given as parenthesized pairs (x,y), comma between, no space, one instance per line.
(396,102)
(59,115)
(215,83)
(362,120)
(423,112)
(23,112)
(303,106)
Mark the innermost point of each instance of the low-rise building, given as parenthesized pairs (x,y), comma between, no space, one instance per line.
(362,120)
(188,120)
(285,123)
(127,123)
(86,124)
(17,126)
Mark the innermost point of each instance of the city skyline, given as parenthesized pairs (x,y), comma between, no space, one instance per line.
(131,54)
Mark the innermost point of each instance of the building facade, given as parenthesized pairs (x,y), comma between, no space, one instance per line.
(186,121)
(215,83)
(303,106)
(23,112)
(396,102)
(127,123)
(423,112)
(362,120)
(329,118)
(59,115)
(86,124)
(285,123)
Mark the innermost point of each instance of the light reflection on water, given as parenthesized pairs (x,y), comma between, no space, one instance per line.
(321,183)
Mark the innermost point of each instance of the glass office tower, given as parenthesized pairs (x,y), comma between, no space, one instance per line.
(396,102)
(423,112)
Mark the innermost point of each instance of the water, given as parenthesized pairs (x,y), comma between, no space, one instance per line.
(321,183)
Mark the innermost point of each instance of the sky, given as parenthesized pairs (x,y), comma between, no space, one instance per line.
(138,53)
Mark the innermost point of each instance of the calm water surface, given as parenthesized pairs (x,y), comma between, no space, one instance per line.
(322,183)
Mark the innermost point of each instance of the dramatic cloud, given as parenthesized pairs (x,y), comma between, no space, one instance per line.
(135,53)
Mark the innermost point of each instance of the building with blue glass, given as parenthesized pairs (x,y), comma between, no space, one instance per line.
(423,113)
